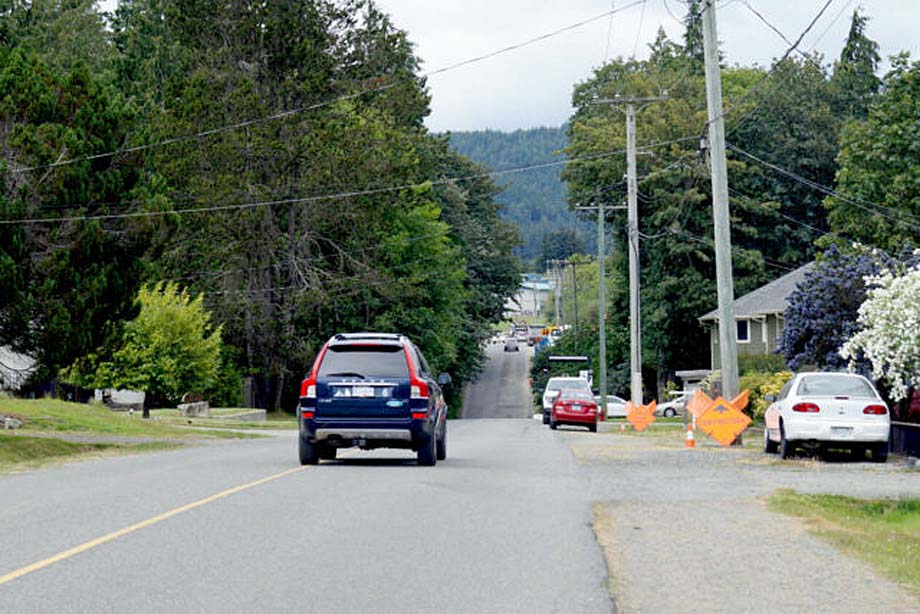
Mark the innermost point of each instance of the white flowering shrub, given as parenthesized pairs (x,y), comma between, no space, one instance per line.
(889,331)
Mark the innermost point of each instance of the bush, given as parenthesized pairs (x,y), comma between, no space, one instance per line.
(760,385)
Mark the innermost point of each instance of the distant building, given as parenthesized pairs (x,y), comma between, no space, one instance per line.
(759,322)
(15,369)
(531,296)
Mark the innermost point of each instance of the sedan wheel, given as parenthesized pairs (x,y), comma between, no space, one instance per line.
(879,452)
(786,447)
(669,413)
(769,446)
(552,424)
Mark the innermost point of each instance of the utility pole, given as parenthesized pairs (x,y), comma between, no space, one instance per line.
(601,301)
(575,297)
(558,281)
(632,225)
(719,173)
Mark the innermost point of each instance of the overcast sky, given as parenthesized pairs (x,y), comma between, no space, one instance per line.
(532,86)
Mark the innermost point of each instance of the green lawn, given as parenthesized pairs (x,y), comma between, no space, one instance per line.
(49,415)
(22,452)
(884,532)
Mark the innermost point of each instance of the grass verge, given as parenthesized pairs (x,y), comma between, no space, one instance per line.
(49,415)
(23,452)
(883,532)
(224,417)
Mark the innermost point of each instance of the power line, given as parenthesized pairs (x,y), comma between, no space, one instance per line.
(639,29)
(760,82)
(344,98)
(609,32)
(869,206)
(334,196)
(779,33)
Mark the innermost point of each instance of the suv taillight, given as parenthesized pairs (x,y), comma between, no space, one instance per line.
(876,410)
(308,389)
(808,408)
(418,389)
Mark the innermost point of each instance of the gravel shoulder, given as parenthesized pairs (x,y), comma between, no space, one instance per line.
(688,530)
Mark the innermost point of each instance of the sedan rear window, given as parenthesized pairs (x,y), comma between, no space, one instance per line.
(835,385)
(578,394)
(367,361)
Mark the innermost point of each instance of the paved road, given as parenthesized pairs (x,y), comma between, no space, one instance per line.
(502,390)
(502,526)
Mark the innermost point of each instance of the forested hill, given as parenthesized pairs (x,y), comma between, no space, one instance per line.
(534,200)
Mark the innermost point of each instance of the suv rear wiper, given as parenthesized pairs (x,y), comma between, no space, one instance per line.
(345,374)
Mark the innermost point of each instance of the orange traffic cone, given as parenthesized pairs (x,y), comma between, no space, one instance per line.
(689,442)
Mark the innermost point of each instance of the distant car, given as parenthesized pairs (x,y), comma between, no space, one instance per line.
(576,407)
(675,406)
(616,406)
(827,410)
(554,385)
(372,390)
(511,345)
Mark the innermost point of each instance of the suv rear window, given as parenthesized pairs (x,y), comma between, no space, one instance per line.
(567,384)
(364,361)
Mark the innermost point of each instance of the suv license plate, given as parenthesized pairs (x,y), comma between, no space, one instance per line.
(362,391)
(842,431)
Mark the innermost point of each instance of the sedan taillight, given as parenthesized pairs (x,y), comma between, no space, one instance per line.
(876,410)
(807,408)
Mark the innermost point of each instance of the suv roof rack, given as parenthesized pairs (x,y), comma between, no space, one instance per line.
(365,336)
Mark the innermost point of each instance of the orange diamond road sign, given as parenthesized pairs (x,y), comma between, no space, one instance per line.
(724,421)
(640,416)
(699,403)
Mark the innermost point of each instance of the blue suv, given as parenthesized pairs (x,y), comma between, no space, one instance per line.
(372,390)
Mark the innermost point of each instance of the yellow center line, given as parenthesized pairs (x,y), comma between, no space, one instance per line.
(93,543)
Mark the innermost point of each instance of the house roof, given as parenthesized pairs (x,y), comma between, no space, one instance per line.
(768,299)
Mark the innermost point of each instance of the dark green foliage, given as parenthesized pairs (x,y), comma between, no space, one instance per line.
(879,195)
(533,200)
(62,286)
(431,262)
(774,221)
(560,244)
(854,81)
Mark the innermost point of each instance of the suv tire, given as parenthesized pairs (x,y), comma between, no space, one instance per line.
(441,446)
(427,453)
(308,452)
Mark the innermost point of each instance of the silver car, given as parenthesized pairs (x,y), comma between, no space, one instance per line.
(827,410)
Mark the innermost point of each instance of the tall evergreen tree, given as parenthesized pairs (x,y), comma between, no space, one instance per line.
(693,37)
(854,81)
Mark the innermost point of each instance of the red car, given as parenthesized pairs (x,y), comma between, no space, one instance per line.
(576,407)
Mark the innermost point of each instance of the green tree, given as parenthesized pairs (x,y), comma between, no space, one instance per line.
(283,278)
(170,348)
(560,244)
(878,193)
(854,81)
(62,283)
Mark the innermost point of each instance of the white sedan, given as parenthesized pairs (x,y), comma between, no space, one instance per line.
(616,407)
(829,410)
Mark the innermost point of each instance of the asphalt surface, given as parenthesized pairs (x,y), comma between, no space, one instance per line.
(503,525)
(502,390)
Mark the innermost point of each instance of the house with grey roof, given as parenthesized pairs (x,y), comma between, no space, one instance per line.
(759,321)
